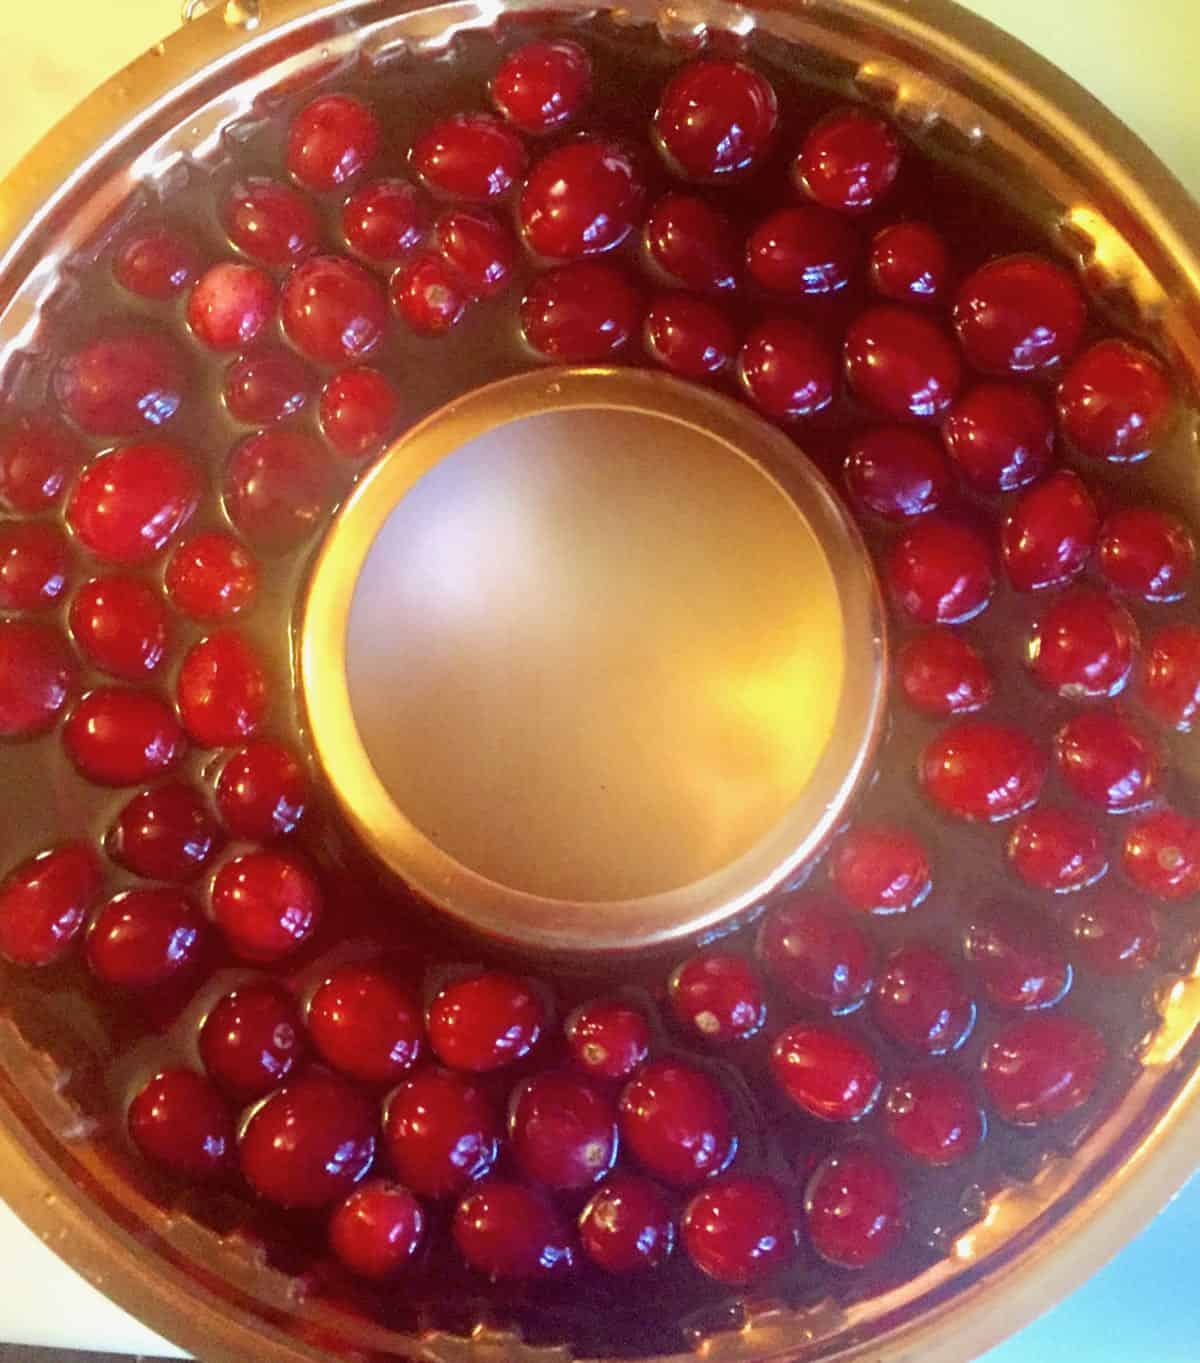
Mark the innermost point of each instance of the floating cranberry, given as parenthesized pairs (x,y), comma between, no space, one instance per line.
(1171,681)
(266,386)
(826,1072)
(1048,536)
(738,1230)
(1001,436)
(252,1039)
(853,1208)
(1147,553)
(816,953)
(120,626)
(428,296)
(675,1120)
(581,199)
(211,576)
(901,363)
(330,140)
(626,1226)
(716,996)
(277,488)
(511,1233)
(941,674)
(1043,1067)
(1083,647)
(693,244)
(142,938)
(359,410)
(880,868)
(1107,761)
(122,383)
(1020,314)
(178,1120)
(542,85)
(222,690)
(129,504)
(848,161)
(1056,849)
(230,304)
(562,1131)
(37,677)
(909,262)
(799,251)
(167,833)
(267,904)
(581,312)
(37,455)
(470,156)
(309,1142)
(977,769)
(485,1021)
(441,1133)
(786,369)
(1115,402)
(262,791)
(932,1115)
(158,264)
(44,901)
(479,252)
(897,472)
(270,221)
(366,1024)
(1115,934)
(608,1039)
(377,1230)
(689,336)
(715,118)
(1161,855)
(33,565)
(116,736)
(333,310)
(940,572)
(1015,962)
(921,1002)
(384,220)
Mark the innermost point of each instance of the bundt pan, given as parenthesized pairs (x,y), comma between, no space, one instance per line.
(979,104)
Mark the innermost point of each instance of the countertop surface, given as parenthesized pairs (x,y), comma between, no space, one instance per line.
(1140,59)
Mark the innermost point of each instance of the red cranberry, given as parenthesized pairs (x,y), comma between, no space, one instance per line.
(562,1131)
(608,1039)
(675,1120)
(693,244)
(542,85)
(330,140)
(880,868)
(1115,402)
(1042,1067)
(1083,646)
(377,1230)
(1001,436)
(120,384)
(167,833)
(853,1208)
(626,1226)
(977,769)
(262,791)
(511,1233)
(470,156)
(689,336)
(485,1021)
(1106,761)
(33,565)
(157,264)
(230,304)
(384,220)
(717,996)
(738,1230)
(897,472)
(941,674)
(43,903)
(120,626)
(221,691)
(786,369)
(116,736)
(129,503)
(211,576)
(848,161)
(1147,553)
(901,363)
(333,310)
(715,118)
(267,904)
(909,262)
(1115,934)
(37,676)
(441,1133)
(277,488)
(367,1024)
(178,1120)
(427,295)
(267,386)
(816,954)
(1048,536)
(1019,314)
(825,1072)
(36,457)
(584,311)
(1161,855)
(1171,682)
(142,938)
(252,1039)
(932,1115)
(1056,849)
(805,250)
(359,409)
(309,1142)
(940,572)
(270,221)
(582,198)
(921,1002)
(1015,963)
(479,252)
